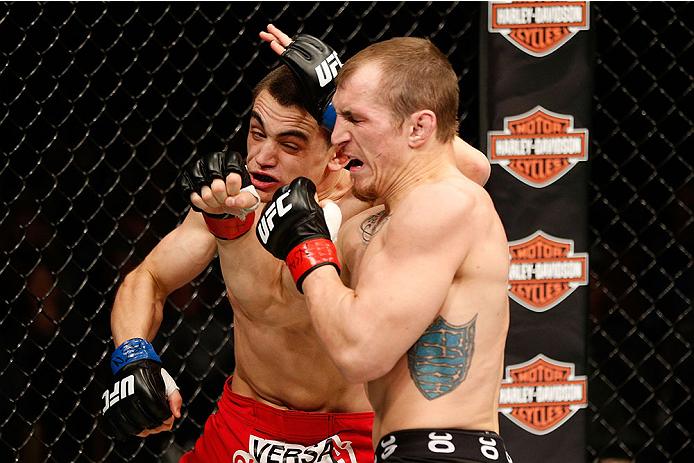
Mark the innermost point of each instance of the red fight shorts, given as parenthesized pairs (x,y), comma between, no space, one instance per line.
(244,430)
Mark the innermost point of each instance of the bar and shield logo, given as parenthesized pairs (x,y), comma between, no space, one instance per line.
(538,147)
(542,394)
(538,28)
(544,270)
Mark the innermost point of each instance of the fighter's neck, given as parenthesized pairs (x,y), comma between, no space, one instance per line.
(423,168)
(334,186)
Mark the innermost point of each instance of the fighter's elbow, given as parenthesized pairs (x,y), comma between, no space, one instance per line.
(478,169)
(483,172)
(471,162)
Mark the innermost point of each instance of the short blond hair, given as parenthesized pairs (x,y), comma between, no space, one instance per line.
(415,76)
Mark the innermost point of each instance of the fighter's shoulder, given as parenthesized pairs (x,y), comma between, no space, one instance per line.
(447,197)
(450,207)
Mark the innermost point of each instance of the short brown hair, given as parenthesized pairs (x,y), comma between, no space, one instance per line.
(415,76)
(282,86)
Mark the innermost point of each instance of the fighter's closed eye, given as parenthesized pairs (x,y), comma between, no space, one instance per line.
(290,147)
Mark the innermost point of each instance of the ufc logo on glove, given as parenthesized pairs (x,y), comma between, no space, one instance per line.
(265,225)
(302,237)
(121,389)
(327,70)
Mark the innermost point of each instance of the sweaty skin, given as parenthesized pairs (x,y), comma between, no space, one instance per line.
(279,359)
(430,265)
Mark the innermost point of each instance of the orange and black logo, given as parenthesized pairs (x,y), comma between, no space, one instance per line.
(538,28)
(544,270)
(542,394)
(538,147)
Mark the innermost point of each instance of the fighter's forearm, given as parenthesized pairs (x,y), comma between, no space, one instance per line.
(138,307)
(341,326)
(176,260)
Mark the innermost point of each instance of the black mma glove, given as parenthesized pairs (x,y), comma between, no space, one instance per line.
(293,228)
(139,396)
(208,168)
(315,66)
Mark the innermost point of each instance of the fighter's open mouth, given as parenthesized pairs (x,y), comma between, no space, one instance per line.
(353,163)
(263,178)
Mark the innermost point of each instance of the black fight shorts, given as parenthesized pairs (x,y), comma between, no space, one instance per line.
(441,445)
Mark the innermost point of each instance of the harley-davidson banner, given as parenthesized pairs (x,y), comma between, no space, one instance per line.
(536,106)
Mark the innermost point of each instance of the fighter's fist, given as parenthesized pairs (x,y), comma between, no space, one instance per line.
(293,228)
(219,186)
(138,399)
(315,66)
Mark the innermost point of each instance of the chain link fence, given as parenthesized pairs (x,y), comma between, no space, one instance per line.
(642,233)
(103,103)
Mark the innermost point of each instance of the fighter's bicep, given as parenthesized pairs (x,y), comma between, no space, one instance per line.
(409,278)
(182,254)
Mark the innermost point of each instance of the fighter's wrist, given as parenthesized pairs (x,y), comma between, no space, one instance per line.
(229,227)
(329,117)
(131,351)
(308,256)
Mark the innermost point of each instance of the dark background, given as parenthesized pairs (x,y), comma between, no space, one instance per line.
(103,103)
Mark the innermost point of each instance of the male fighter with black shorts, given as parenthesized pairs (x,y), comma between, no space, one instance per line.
(286,398)
(421,312)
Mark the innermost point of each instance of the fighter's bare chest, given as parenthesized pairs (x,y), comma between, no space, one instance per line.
(256,281)
(366,241)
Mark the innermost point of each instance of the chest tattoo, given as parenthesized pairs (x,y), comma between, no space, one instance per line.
(372,225)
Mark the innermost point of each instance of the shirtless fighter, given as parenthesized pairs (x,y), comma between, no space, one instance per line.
(286,397)
(425,319)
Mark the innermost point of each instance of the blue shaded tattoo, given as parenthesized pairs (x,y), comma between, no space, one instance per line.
(440,359)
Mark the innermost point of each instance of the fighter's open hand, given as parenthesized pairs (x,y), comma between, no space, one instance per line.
(223,197)
(218,184)
(278,40)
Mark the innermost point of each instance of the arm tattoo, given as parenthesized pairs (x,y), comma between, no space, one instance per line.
(440,359)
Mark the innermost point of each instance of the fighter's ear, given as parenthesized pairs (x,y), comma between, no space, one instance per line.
(338,159)
(422,127)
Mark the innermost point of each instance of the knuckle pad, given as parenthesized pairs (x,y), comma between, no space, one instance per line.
(196,174)
(123,423)
(214,164)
